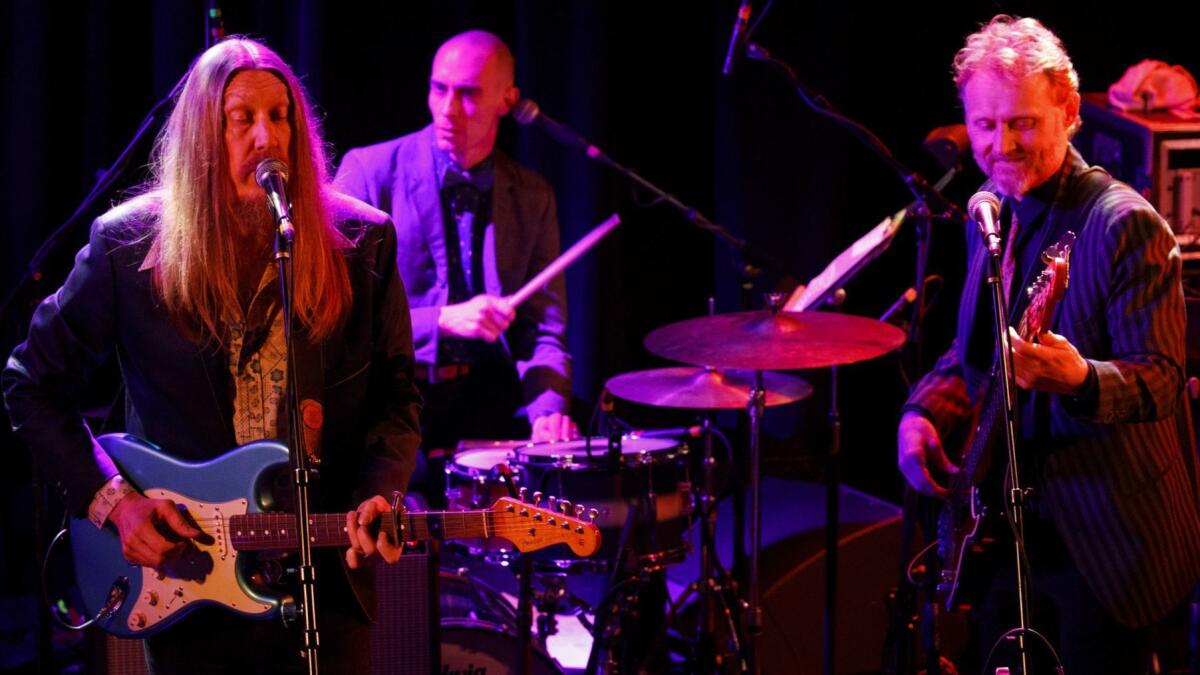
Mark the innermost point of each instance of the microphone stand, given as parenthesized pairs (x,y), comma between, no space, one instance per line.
(1016,494)
(930,206)
(693,216)
(938,206)
(301,473)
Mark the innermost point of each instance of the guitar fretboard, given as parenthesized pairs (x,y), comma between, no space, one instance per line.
(277,531)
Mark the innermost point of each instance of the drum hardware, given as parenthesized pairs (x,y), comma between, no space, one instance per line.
(644,506)
(477,631)
(774,340)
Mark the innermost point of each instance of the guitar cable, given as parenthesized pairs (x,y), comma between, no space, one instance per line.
(116,594)
(914,561)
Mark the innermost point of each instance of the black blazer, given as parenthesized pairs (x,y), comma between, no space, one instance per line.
(1118,477)
(179,393)
(399,178)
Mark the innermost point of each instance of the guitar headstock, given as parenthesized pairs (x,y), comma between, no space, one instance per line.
(1060,249)
(1049,287)
(530,527)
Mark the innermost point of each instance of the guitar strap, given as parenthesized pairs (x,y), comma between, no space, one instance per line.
(310,388)
(1094,180)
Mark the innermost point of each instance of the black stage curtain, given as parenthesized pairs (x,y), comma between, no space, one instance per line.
(642,80)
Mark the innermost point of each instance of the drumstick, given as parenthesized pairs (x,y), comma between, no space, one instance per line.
(563,261)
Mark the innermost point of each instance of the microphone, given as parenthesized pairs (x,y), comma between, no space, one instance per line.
(272,175)
(527,112)
(897,313)
(984,208)
(737,40)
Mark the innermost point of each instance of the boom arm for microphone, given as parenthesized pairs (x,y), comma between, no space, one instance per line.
(527,112)
(738,38)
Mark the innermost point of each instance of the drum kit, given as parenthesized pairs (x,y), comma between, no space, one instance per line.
(642,486)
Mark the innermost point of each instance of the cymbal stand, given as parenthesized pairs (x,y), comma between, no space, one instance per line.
(752,615)
(714,580)
(832,516)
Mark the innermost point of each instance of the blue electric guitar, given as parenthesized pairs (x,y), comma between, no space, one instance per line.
(226,499)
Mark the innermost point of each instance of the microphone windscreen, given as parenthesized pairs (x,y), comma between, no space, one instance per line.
(267,167)
(525,111)
(978,200)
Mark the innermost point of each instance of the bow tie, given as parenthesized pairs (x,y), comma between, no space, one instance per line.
(482,178)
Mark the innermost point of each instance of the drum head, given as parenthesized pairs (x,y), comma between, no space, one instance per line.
(633,450)
(479,461)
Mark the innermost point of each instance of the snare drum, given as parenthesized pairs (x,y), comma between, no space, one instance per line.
(473,478)
(645,486)
(474,481)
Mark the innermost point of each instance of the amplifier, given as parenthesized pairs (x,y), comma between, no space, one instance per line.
(1158,153)
(405,637)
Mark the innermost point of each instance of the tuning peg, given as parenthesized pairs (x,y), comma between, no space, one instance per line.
(537,497)
(553,502)
(521,493)
(565,506)
(579,510)
(592,513)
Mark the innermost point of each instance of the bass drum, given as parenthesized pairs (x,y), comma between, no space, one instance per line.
(478,630)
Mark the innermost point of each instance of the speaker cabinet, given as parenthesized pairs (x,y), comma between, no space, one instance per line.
(404,638)
(792,575)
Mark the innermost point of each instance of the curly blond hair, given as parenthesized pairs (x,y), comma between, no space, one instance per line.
(1017,48)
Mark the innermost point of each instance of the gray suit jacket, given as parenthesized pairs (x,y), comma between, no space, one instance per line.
(1119,478)
(398,177)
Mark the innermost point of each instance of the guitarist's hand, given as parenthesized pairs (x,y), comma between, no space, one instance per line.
(1052,364)
(919,447)
(153,531)
(366,536)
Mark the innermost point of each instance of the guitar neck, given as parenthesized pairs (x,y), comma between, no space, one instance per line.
(277,531)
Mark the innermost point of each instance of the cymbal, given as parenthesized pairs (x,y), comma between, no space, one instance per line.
(783,341)
(704,389)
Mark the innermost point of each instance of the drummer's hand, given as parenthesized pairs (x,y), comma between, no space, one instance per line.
(553,427)
(363,543)
(483,317)
(919,447)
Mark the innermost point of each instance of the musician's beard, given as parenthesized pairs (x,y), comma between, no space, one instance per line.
(253,225)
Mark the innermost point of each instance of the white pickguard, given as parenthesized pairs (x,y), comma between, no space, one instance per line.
(208,571)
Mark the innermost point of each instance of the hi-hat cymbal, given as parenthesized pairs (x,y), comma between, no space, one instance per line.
(704,389)
(783,341)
